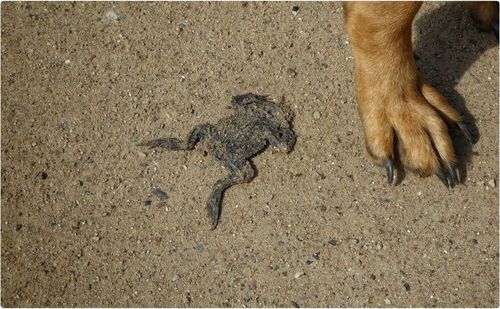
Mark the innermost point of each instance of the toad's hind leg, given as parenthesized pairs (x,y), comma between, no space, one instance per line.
(196,135)
(245,174)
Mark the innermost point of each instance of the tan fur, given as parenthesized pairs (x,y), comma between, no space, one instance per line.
(483,13)
(397,107)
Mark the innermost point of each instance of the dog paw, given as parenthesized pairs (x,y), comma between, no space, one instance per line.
(410,125)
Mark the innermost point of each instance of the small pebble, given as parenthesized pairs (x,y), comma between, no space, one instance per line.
(160,194)
(316,115)
(316,255)
(299,274)
(142,155)
(19,226)
(175,277)
(112,15)
(295,9)
(200,247)
(148,202)
(387,301)
(407,286)
(333,242)
(44,175)
(294,304)
(252,284)
(291,72)
(67,61)
(491,183)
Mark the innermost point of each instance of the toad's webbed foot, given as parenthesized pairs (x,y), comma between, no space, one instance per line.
(237,176)
(169,143)
(196,135)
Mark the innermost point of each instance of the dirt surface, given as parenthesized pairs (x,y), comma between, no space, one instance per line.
(84,83)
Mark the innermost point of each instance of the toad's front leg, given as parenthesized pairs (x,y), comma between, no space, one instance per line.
(236,176)
(195,136)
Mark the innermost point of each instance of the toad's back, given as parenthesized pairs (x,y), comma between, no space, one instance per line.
(238,138)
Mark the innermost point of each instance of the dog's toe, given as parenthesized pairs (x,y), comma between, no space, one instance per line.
(413,130)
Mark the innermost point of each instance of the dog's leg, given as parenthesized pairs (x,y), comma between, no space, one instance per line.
(485,15)
(402,115)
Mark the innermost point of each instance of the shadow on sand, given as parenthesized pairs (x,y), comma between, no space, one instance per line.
(447,44)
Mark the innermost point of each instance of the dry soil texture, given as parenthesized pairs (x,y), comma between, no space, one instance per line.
(83,83)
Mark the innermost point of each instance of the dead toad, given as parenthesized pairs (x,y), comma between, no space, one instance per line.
(233,140)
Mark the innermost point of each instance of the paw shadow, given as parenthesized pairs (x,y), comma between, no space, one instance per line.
(446,45)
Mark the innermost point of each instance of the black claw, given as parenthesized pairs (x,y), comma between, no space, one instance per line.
(389,167)
(465,131)
(453,175)
(440,174)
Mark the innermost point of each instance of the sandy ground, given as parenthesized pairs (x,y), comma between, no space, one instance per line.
(83,83)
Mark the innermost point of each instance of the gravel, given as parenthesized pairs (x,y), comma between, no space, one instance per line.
(162,195)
